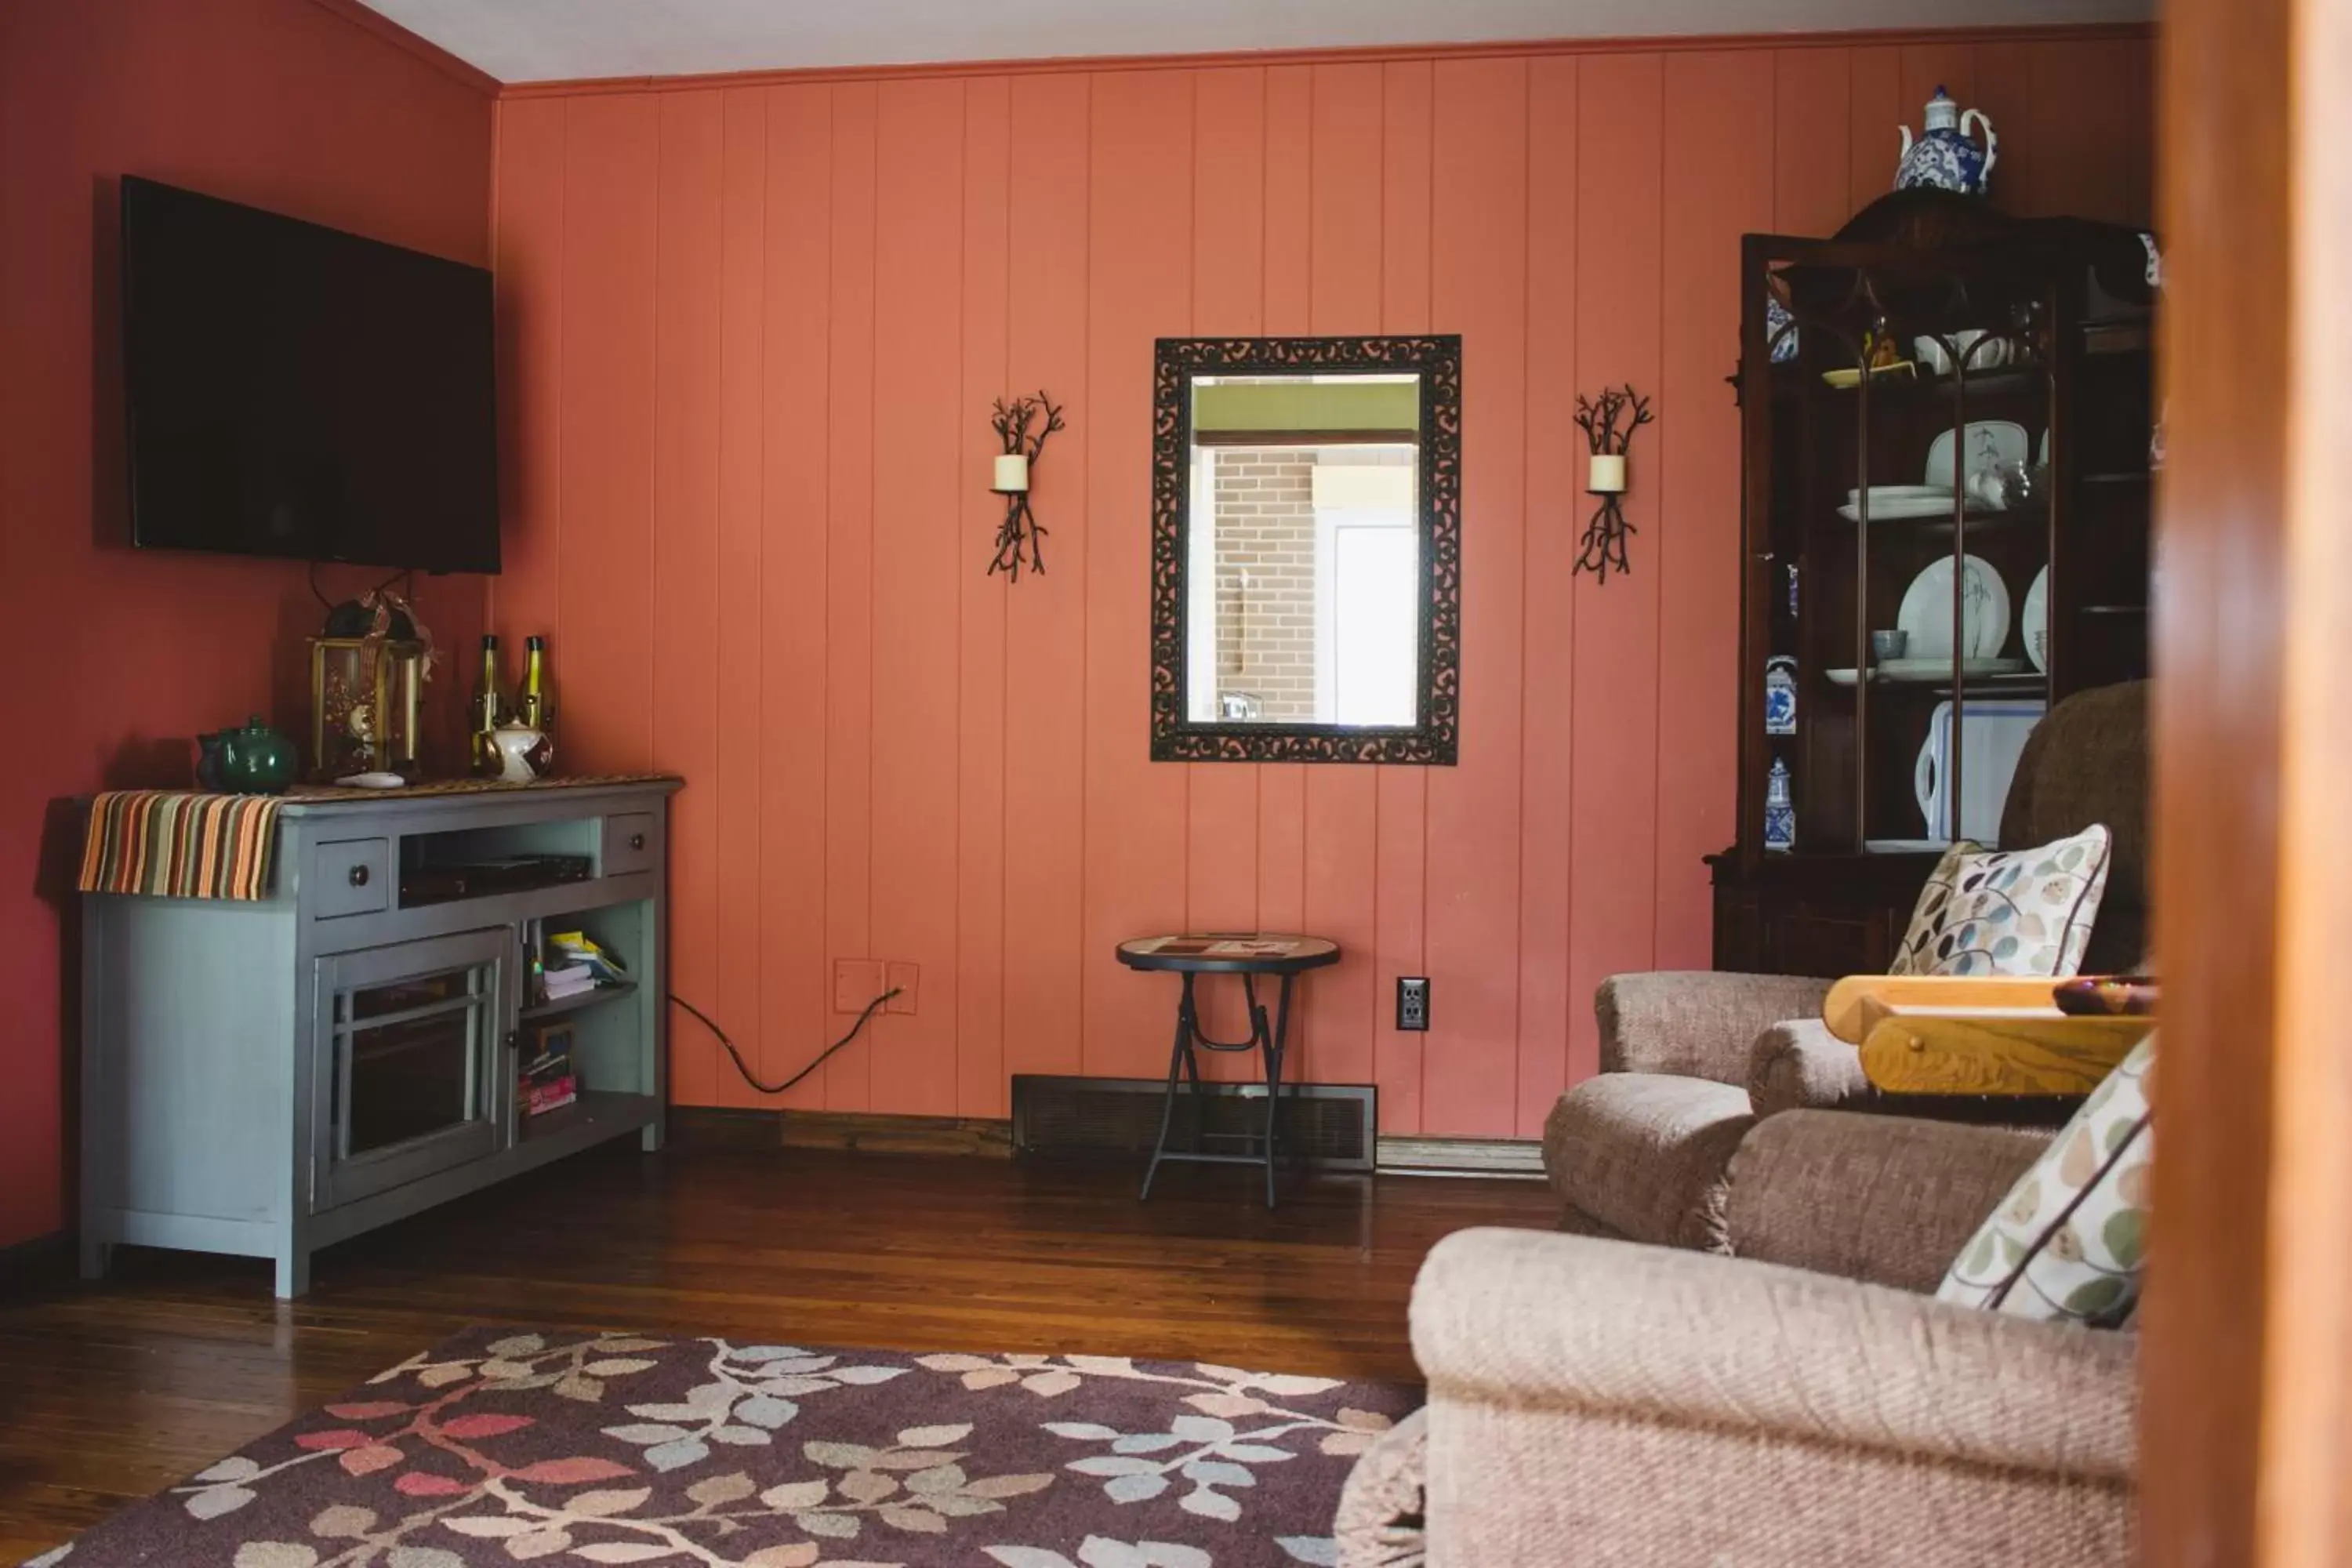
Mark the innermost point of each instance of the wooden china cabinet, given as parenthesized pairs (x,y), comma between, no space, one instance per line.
(1946,426)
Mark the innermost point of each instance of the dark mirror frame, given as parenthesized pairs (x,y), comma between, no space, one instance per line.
(1432,740)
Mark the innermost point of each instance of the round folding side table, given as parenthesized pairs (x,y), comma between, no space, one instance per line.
(1248,954)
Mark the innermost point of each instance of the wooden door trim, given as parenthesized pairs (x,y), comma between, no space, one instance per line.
(2247,1349)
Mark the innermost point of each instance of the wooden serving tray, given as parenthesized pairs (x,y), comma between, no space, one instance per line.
(1994,1037)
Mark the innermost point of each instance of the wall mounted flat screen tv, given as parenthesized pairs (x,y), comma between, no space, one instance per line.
(297,391)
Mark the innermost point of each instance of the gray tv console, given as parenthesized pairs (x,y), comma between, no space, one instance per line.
(268,1078)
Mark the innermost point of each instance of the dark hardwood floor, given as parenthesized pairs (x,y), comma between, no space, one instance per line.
(109,1394)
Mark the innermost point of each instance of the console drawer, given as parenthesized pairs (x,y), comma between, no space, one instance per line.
(630,844)
(350,877)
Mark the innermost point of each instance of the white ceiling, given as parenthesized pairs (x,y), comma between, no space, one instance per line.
(554,40)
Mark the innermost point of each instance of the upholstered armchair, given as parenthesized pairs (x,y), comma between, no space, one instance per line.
(1691,1060)
(1807,1405)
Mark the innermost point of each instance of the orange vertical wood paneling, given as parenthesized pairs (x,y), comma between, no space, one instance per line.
(739,682)
(1400,808)
(1614,711)
(981,668)
(1876,107)
(2028,170)
(2137,112)
(1228,194)
(1812,168)
(748,336)
(605,423)
(1716,185)
(1556,507)
(1045,617)
(918,439)
(1139,278)
(1478,286)
(849,586)
(2083,95)
(1342,803)
(1288,308)
(796,1017)
(684,648)
(530,295)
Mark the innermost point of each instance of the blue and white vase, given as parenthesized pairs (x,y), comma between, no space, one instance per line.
(1780,694)
(1780,811)
(1779,329)
(1942,155)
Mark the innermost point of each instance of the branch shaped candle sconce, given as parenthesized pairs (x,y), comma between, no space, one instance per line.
(1022,427)
(1606,534)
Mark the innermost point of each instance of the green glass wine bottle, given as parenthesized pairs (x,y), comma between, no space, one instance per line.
(483,713)
(531,706)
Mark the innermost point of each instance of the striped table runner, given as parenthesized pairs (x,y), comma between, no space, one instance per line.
(174,843)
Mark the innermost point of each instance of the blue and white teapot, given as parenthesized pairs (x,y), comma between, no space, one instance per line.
(1943,156)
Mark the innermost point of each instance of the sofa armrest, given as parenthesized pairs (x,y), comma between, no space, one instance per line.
(1696,1023)
(1887,1199)
(1799,1065)
(1529,1321)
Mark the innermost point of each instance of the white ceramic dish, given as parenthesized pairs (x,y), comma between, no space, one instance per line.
(2009,445)
(1892,503)
(1926,671)
(1992,738)
(1917,670)
(371,781)
(1926,611)
(2034,621)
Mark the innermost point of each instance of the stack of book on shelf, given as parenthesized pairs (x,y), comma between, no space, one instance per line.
(549,1082)
(558,981)
(573,964)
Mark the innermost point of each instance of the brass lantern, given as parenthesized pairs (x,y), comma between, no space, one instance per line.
(367,695)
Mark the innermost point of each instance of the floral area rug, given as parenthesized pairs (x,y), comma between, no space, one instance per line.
(502,1448)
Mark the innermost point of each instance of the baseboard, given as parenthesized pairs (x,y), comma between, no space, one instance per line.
(32,1267)
(870,1133)
(852,1132)
(1517,1158)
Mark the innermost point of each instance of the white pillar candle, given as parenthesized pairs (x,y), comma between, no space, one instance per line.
(1012,473)
(1608,476)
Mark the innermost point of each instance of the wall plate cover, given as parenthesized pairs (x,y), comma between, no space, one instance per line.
(856,982)
(1413,1003)
(901,977)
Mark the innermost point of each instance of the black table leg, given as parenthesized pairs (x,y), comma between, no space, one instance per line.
(1276,1043)
(1268,1037)
(1181,1061)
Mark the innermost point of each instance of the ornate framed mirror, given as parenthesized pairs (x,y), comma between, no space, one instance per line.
(1307,550)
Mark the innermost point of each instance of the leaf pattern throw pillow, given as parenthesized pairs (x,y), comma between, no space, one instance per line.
(2022,912)
(2069,1241)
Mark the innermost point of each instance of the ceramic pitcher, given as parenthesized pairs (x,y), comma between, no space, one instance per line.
(1942,155)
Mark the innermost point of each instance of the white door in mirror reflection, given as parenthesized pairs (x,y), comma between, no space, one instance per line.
(1367,613)
(1305,589)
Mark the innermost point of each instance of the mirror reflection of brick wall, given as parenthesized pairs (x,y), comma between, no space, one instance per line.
(1266,579)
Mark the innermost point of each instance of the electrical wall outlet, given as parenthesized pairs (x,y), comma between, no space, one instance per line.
(855,983)
(1413,1003)
(902,978)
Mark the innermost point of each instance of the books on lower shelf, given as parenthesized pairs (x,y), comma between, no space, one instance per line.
(564,964)
(547,1081)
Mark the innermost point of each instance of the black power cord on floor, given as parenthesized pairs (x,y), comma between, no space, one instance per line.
(737,1056)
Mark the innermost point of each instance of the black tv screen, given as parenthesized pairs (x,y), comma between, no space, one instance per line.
(297,391)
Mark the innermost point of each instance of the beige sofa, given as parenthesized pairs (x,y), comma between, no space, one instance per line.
(1808,1406)
(1691,1060)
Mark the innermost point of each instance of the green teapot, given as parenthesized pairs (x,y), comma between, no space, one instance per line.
(256,760)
